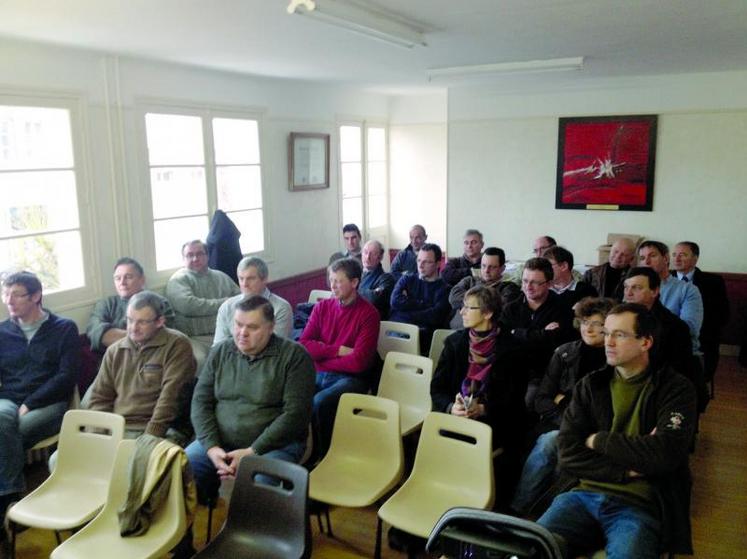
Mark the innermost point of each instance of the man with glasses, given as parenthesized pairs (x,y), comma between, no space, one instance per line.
(541,244)
(39,364)
(422,300)
(623,448)
(143,375)
(565,280)
(196,292)
(108,322)
(538,320)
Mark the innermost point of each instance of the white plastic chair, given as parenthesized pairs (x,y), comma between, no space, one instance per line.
(406,379)
(398,336)
(76,490)
(437,344)
(100,538)
(318,294)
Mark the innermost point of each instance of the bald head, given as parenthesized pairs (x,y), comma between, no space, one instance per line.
(622,253)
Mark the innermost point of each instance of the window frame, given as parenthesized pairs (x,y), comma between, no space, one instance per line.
(74,103)
(206,112)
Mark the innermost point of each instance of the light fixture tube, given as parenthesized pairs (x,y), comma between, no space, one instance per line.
(525,67)
(372,23)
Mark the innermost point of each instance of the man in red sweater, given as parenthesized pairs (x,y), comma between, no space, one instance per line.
(341,338)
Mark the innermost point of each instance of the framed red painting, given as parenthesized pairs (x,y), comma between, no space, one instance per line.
(606,163)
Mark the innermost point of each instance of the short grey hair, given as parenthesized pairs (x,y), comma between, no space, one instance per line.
(378,246)
(147,299)
(471,232)
(256,263)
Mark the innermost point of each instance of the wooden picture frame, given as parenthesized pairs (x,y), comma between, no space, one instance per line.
(308,161)
(606,163)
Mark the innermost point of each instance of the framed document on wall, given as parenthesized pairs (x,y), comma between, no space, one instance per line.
(606,163)
(308,161)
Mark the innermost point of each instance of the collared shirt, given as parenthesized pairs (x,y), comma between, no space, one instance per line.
(281,308)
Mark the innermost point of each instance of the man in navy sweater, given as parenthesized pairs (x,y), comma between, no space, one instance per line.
(39,364)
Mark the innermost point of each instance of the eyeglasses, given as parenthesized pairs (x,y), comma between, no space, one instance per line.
(471,308)
(591,323)
(194,255)
(540,250)
(14,295)
(141,322)
(533,283)
(619,335)
(125,277)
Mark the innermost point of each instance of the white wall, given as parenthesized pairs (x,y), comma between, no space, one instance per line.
(503,154)
(303,228)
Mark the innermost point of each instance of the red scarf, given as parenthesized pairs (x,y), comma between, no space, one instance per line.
(481,357)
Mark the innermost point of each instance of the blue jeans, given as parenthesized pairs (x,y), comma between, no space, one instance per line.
(538,472)
(581,517)
(206,476)
(329,389)
(17,434)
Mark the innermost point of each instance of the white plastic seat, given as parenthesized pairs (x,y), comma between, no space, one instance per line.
(406,379)
(77,489)
(437,344)
(453,468)
(398,336)
(318,294)
(101,539)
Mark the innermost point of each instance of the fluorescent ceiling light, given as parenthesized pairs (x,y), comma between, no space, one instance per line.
(526,67)
(361,19)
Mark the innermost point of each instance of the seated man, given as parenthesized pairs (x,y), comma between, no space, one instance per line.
(569,289)
(143,375)
(624,443)
(341,337)
(196,293)
(422,300)
(570,363)
(351,235)
(538,320)
(608,278)
(253,277)
(108,322)
(461,267)
(492,264)
(39,363)
(376,285)
(715,302)
(541,244)
(253,396)
(406,260)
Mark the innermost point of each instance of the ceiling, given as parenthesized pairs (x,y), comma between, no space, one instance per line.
(617,37)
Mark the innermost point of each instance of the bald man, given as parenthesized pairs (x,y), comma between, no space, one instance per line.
(608,278)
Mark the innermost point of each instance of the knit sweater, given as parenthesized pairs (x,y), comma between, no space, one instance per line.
(420,302)
(332,325)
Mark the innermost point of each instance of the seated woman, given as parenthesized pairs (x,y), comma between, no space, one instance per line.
(569,363)
(481,375)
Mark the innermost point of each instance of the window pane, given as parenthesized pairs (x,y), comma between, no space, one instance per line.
(377,211)
(239,188)
(35,138)
(178,191)
(56,258)
(376,144)
(37,201)
(252,230)
(236,141)
(171,234)
(351,180)
(352,211)
(350,143)
(174,139)
(377,178)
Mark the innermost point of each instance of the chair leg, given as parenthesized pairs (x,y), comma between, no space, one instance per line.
(57,537)
(13,532)
(319,521)
(211,506)
(329,522)
(377,549)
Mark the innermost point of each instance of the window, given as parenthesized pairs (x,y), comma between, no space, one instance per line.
(39,220)
(363,153)
(190,178)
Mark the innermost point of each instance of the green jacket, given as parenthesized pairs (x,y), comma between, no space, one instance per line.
(263,403)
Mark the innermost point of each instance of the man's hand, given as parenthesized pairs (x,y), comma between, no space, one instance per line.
(220,460)
(234,457)
(552,326)
(590,441)
(23,410)
(558,398)
(344,350)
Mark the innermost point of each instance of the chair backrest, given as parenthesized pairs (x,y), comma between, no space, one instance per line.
(492,534)
(277,514)
(88,443)
(368,427)
(437,343)
(458,452)
(317,294)
(406,379)
(398,336)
